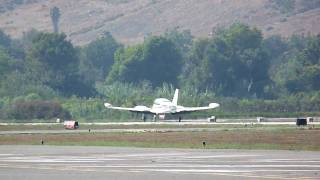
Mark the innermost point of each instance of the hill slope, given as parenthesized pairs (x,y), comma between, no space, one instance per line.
(131,20)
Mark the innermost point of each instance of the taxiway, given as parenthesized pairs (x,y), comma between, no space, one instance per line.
(73,162)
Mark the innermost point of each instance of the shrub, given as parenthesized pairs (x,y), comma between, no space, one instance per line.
(38,109)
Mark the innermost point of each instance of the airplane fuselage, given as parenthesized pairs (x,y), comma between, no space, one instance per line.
(163,106)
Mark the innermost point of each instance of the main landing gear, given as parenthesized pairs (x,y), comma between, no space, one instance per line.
(144,118)
(163,118)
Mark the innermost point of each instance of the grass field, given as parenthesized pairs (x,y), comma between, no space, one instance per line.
(225,137)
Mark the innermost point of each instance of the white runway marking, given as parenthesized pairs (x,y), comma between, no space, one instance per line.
(231,166)
(204,163)
(289,160)
(222,171)
(221,156)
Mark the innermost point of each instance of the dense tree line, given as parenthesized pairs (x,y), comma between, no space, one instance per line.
(157,61)
(233,63)
(236,63)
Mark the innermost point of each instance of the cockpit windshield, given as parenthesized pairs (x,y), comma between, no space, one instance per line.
(161,101)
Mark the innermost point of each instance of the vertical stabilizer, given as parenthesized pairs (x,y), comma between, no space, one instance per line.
(175,97)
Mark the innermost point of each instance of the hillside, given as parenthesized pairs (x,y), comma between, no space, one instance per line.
(131,20)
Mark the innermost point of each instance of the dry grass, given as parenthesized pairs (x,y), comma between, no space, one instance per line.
(297,139)
(130,21)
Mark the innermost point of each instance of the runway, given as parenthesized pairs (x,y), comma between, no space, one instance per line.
(176,127)
(72,162)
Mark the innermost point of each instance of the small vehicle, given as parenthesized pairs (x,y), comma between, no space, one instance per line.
(301,122)
(71,124)
(212,119)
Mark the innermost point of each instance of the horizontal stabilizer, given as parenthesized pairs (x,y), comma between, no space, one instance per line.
(107,105)
(214,105)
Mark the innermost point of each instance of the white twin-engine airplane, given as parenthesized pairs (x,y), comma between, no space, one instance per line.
(162,106)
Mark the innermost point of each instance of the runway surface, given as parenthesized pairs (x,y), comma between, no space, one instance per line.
(81,163)
(137,130)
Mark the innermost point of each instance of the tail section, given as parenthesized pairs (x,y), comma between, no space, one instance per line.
(175,97)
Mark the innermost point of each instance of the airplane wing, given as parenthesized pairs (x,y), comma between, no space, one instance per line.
(140,109)
(182,109)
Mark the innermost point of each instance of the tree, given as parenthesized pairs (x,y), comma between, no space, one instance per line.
(127,66)
(53,61)
(5,61)
(192,74)
(275,46)
(27,38)
(300,73)
(310,58)
(182,40)
(55,17)
(233,63)
(38,109)
(163,61)
(97,58)
(19,47)
(157,60)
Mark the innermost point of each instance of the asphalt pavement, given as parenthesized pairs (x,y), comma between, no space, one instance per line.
(141,129)
(80,163)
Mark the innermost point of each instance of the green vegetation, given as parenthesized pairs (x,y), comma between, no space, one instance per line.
(285,6)
(247,74)
(97,58)
(38,110)
(55,17)
(249,138)
(157,61)
(233,63)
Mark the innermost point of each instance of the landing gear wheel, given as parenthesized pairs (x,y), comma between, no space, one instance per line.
(143,118)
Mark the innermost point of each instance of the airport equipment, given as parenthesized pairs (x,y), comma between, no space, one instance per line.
(212,119)
(260,119)
(310,119)
(71,124)
(204,144)
(301,122)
